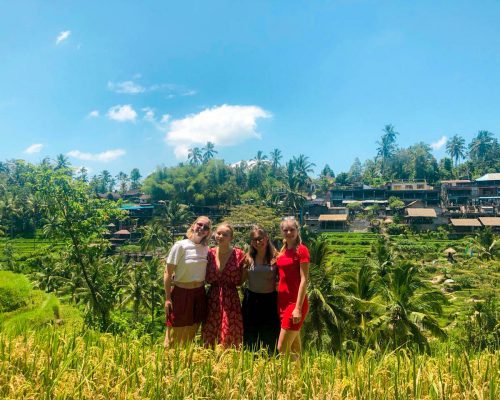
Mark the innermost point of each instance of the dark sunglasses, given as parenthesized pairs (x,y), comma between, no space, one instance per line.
(203,226)
(258,239)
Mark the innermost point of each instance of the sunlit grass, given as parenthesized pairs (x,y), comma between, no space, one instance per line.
(53,364)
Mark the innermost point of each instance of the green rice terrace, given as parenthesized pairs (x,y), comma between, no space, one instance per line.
(48,351)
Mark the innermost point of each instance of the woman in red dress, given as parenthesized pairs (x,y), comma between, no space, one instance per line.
(224,322)
(293,269)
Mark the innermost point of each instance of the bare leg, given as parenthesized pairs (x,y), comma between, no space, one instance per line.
(191,331)
(296,345)
(286,340)
(176,335)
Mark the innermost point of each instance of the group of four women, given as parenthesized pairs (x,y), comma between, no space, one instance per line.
(274,303)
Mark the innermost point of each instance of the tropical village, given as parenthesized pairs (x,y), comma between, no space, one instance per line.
(403,287)
(249,200)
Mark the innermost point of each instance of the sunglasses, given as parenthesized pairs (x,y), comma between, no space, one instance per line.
(203,226)
(258,239)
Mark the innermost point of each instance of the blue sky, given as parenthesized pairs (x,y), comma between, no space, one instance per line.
(121,84)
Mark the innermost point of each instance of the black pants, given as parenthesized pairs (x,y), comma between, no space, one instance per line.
(261,323)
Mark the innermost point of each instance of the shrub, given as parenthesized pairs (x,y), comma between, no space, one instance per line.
(15,291)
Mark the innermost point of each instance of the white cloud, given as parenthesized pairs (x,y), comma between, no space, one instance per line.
(165,118)
(149,114)
(63,36)
(224,125)
(105,156)
(440,143)
(34,148)
(122,113)
(128,87)
(93,114)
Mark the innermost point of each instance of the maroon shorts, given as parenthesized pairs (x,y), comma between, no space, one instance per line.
(189,307)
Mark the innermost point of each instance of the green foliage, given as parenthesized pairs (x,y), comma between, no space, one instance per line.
(15,291)
(244,216)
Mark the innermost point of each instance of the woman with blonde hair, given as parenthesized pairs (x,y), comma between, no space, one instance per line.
(184,283)
(261,324)
(224,324)
(293,269)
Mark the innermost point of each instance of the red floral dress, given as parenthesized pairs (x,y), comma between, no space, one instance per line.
(224,322)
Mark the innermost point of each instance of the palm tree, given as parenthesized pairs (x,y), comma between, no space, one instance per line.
(260,159)
(455,147)
(303,167)
(153,297)
(195,156)
(275,156)
(411,304)
(122,178)
(485,244)
(175,216)
(209,152)
(387,146)
(364,289)
(62,162)
(136,288)
(154,236)
(328,315)
(480,145)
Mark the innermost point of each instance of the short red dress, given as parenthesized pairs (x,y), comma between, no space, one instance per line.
(224,322)
(288,288)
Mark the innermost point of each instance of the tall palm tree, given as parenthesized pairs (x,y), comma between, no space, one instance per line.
(123,179)
(480,145)
(195,156)
(455,147)
(208,152)
(260,159)
(328,315)
(275,157)
(386,146)
(303,167)
(411,306)
(62,162)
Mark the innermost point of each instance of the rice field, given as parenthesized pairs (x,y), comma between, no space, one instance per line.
(52,364)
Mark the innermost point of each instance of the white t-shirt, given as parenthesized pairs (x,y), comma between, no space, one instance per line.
(190,260)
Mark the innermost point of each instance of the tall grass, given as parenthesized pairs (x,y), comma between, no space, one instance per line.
(49,364)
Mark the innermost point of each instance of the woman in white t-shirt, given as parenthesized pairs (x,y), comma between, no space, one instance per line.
(184,282)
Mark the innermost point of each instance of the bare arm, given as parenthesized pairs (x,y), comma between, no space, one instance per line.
(167,284)
(304,277)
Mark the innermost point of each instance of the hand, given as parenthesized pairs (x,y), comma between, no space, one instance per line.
(296,315)
(168,307)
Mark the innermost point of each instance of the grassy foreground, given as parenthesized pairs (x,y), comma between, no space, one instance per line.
(51,364)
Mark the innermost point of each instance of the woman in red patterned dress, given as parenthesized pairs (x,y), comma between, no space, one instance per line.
(293,269)
(224,322)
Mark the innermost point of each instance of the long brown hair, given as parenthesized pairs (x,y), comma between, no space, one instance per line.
(270,256)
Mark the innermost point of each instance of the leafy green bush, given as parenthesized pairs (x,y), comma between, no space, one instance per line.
(15,291)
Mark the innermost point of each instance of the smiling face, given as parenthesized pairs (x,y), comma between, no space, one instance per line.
(258,241)
(290,231)
(223,235)
(200,229)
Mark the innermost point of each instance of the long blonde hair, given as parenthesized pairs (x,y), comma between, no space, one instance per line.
(189,232)
(296,226)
